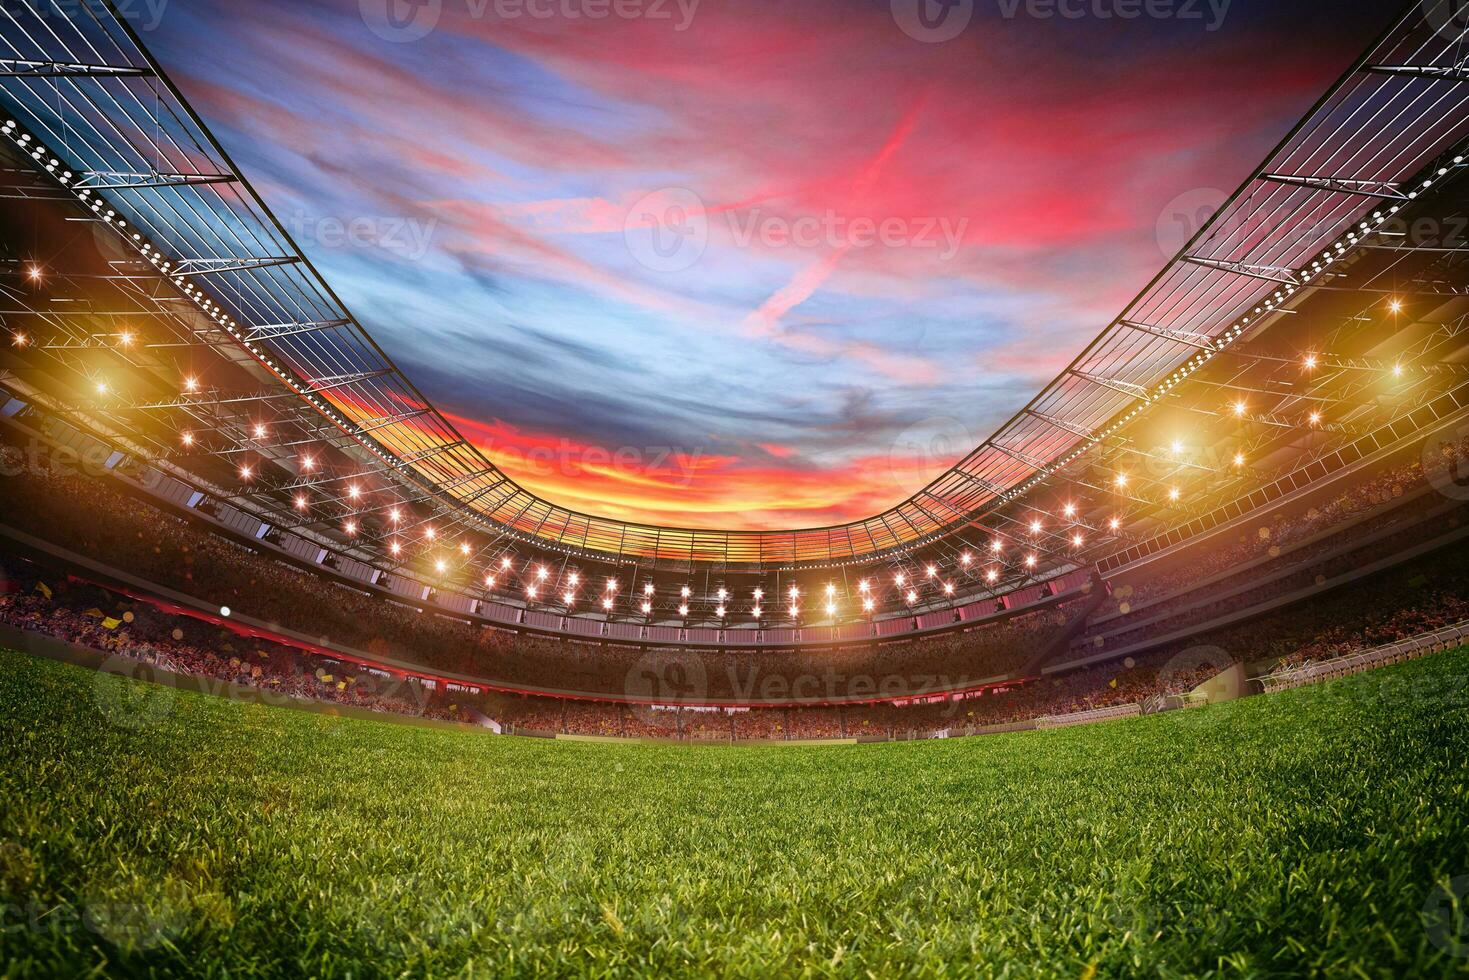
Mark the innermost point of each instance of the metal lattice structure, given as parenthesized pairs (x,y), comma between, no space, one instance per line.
(194,247)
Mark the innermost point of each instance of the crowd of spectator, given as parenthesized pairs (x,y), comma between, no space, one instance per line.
(92,617)
(1290,526)
(96,517)
(907,681)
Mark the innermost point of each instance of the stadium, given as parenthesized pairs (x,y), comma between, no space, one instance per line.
(590,491)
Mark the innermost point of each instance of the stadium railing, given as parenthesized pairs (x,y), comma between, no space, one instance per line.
(1355,663)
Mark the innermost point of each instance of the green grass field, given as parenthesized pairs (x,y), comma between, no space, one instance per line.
(1311,832)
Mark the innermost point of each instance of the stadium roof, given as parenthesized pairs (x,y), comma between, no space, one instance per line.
(192,242)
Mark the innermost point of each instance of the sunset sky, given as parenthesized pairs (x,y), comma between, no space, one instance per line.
(740,263)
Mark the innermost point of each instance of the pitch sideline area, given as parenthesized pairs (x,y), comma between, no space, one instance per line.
(153,830)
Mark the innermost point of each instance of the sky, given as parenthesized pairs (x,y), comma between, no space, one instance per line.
(745,263)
